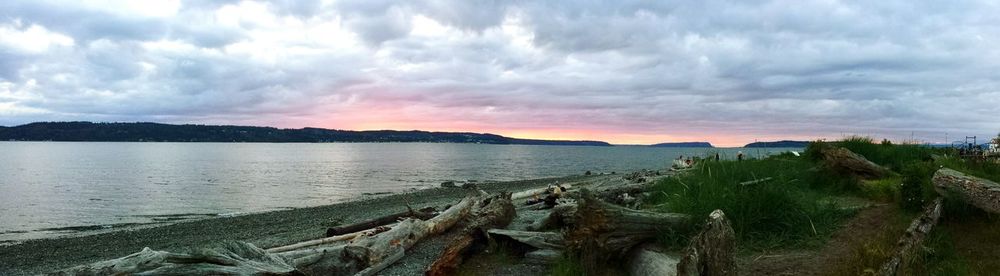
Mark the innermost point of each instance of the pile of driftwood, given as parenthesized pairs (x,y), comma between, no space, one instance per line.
(596,227)
(978,192)
(363,252)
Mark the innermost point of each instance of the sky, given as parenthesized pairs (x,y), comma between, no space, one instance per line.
(626,72)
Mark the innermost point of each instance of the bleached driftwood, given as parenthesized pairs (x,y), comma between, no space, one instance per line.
(233,258)
(491,212)
(845,161)
(424,214)
(373,251)
(537,192)
(976,191)
(602,231)
(561,215)
(540,240)
(648,260)
(367,254)
(912,239)
(756,181)
(712,251)
(333,239)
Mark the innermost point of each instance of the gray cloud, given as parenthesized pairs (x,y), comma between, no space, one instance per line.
(667,69)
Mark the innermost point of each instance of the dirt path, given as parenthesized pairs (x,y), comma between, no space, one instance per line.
(867,224)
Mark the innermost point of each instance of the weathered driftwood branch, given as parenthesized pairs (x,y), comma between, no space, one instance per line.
(328,240)
(756,181)
(845,161)
(424,214)
(914,236)
(540,240)
(711,252)
(492,212)
(648,260)
(538,192)
(976,191)
(629,195)
(602,231)
(234,258)
(367,254)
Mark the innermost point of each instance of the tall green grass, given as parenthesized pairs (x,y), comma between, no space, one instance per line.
(785,211)
(892,156)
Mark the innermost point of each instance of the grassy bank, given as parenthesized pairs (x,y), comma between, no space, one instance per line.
(795,203)
(787,204)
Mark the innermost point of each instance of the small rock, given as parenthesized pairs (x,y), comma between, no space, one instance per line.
(587,173)
(448,184)
(469,185)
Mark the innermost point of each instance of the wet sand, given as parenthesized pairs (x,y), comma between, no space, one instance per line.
(265,230)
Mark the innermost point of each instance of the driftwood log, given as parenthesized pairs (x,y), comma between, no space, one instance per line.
(711,252)
(233,258)
(365,254)
(492,212)
(602,231)
(374,251)
(976,191)
(847,162)
(424,214)
(540,240)
(912,239)
(328,240)
(646,259)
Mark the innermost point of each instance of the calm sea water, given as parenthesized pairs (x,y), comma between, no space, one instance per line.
(49,189)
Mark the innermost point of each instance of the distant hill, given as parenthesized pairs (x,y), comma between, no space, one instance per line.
(684,145)
(778,144)
(156,132)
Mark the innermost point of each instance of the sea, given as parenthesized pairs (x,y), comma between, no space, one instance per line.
(56,189)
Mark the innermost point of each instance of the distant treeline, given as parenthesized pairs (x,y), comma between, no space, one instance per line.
(156,132)
(778,144)
(683,145)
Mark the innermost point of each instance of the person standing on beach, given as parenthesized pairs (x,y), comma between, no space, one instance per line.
(716,157)
(739,156)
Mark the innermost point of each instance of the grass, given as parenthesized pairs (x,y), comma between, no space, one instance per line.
(892,156)
(567,266)
(795,208)
(788,210)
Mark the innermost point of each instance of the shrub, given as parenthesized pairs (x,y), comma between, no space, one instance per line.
(916,186)
(782,211)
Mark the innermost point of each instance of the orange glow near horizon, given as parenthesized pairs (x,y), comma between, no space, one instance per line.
(613,137)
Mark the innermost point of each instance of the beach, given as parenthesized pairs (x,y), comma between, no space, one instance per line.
(264,230)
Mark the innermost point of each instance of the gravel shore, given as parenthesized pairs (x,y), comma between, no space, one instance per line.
(262,229)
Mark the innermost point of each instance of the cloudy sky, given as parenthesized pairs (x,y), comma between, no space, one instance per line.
(728,72)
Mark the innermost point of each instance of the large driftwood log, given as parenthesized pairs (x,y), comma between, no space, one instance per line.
(328,240)
(562,215)
(492,212)
(976,191)
(914,236)
(845,161)
(424,214)
(648,260)
(375,251)
(366,255)
(539,192)
(234,258)
(711,252)
(602,231)
(540,240)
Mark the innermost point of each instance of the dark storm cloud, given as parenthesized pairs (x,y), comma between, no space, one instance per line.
(675,68)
